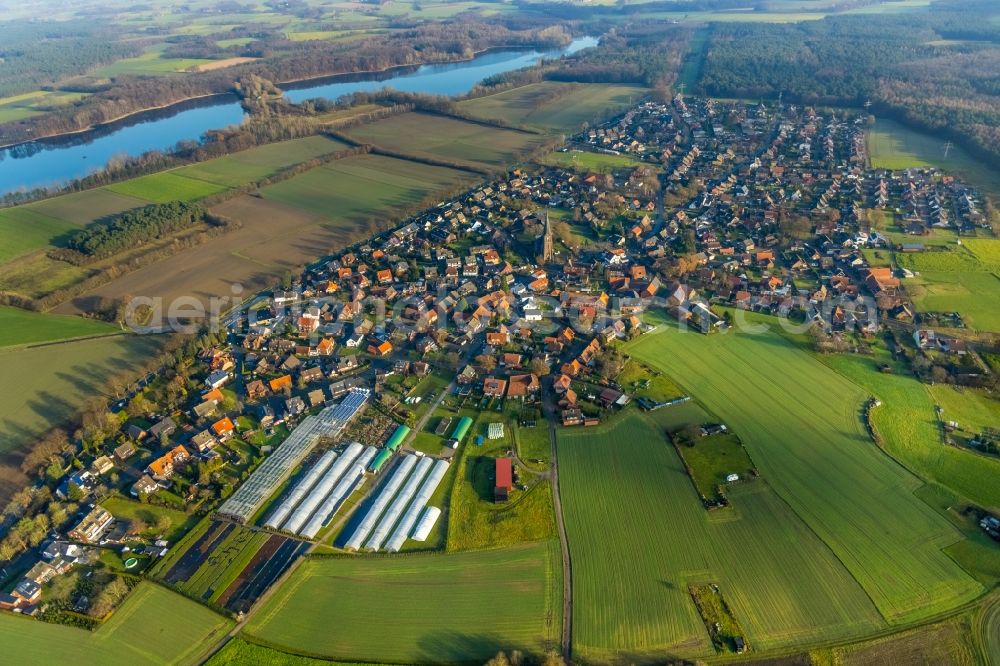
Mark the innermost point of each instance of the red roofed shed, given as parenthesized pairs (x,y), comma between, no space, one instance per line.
(505,480)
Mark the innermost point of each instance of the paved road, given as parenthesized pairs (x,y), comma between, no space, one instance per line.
(567,564)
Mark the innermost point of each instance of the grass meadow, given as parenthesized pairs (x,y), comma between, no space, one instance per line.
(639,536)
(586,161)
(417,608)
(892,145)
(153,626)
(555,108)
(801,423)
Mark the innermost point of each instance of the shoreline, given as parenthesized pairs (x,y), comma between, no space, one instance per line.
(162,107)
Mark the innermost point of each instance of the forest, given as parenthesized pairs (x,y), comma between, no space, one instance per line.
(36,54)
(135,227)
(938,71)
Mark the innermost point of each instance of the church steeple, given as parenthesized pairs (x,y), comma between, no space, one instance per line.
(546,255)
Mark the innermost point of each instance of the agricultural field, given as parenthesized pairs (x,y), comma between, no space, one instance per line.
(463,143)
(21,327)
(150,63)
(238,652)
(166,186)
(355,189)
(153,626)
(54,380)
(894,146)
(639,537)
(49,223)
(556,108)
(295,222)
(256,163)
(857,500)
(417,608)
(948,642)
(227,565)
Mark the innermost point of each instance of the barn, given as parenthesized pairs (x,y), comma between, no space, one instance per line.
(504,480)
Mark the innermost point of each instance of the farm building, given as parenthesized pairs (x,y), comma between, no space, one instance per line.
(504,480)
(460,431)
(272,472)
(391,446)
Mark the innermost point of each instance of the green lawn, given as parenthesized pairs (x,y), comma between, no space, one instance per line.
(128,509)
(166,186)
(363,187)
(588,161)
(639,536)
(20,327)
(153,626)
(554,107)
(419,608)
(801,424)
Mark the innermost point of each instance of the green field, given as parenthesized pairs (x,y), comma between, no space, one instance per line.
(587,161)
(23,230)
(357,188)
(892,145)
(801,424)
(238,652)
(82,208)
(975,295)
(166,186)
(256,163)
(713,458)
(151,514)
(54,380)
(639,536)
(474,520)
(433,608)
(20,327)
(148,64)
(153,626)
(554,107)
(442,138)
(226,562)
(907,423)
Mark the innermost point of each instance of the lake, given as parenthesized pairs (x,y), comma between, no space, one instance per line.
(49,162)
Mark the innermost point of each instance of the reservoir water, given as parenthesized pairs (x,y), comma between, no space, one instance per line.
(60,159)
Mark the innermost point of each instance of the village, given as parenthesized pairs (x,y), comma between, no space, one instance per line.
(329,410)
